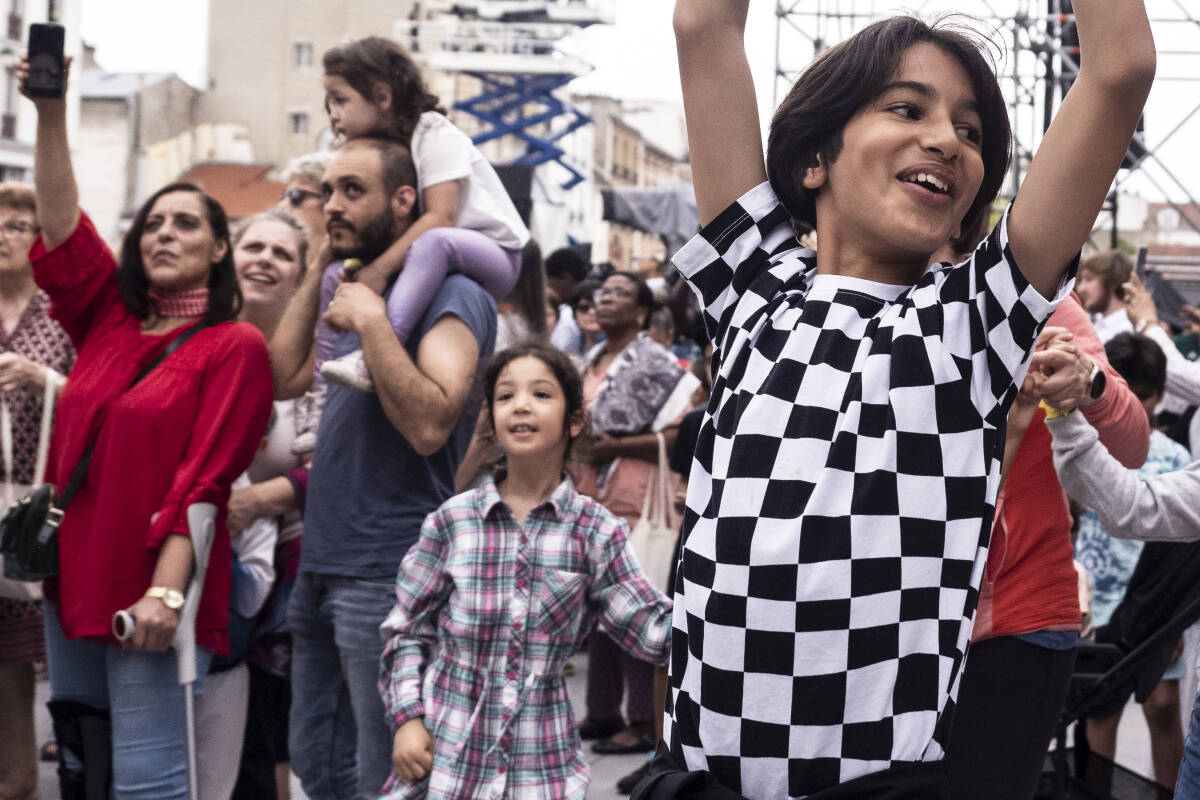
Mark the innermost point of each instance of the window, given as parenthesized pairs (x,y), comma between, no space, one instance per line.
(302,55)
(1167,218)
(298,123)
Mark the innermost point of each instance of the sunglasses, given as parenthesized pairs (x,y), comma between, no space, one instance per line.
(296,196)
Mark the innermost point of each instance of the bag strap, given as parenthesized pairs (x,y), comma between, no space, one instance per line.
(69,490)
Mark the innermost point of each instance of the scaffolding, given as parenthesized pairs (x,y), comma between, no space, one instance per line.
(1036,68)
(513,49)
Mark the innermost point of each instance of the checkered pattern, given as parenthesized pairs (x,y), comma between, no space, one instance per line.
(839,503)
(487,613)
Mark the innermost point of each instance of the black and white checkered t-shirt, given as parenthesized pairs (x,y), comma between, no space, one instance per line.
(839,503)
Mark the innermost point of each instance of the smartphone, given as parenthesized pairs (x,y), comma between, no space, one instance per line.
(45,60)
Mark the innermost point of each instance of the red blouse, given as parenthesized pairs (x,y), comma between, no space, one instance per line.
(180,436)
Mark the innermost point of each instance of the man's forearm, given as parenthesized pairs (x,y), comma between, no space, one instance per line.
(291,346)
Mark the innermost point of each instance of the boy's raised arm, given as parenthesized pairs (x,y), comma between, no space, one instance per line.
(1070,176)
(719,102)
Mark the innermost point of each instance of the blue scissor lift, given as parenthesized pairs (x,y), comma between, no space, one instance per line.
(512,47)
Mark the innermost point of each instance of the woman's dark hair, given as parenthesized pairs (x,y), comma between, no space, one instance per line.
(372,60)
(529,295)
(808,124)
(1140,361)
(556,361)
(224,294)
(643,295)
(584,290)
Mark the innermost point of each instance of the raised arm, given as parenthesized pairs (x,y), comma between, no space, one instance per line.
(53,177)
(718,102)
(292,348)
(1070,176)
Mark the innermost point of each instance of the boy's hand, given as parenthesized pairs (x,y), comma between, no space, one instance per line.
(412,750)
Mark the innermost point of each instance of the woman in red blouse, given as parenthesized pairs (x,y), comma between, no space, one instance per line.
(180,436)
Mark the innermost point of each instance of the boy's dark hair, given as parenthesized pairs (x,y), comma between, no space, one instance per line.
(224,294)
(1140,361)
(809,122)
(564,259)
(559,364)
(372,60)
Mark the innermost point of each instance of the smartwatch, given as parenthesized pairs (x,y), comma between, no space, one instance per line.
(1099,381)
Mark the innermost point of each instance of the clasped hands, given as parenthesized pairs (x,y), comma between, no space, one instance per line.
(1059,374)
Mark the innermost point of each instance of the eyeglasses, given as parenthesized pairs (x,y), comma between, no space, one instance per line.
(296,196)
(16,227)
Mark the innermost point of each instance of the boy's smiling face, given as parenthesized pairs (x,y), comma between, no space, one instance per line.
(909,168)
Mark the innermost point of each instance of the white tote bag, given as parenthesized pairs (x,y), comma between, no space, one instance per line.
(23,590)
(653,537)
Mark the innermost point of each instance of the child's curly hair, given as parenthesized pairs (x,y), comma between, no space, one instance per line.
(365,62)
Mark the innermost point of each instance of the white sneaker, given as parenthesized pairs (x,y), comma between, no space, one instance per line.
(350,370)
(308,419)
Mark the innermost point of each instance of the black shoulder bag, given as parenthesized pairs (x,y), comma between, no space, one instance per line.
(29,531)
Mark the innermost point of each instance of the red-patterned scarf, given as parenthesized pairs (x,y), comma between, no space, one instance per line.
(188,303)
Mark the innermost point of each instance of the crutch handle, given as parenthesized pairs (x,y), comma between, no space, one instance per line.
(202,524)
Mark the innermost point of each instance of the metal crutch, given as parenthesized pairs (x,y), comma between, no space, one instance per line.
(202,523)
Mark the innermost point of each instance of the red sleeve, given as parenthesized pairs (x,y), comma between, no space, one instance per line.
(80,276)
(1118,415)
(235,404)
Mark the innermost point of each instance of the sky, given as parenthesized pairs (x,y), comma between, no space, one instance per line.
(635,58)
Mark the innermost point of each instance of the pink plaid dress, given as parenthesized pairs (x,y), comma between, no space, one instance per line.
(487,613)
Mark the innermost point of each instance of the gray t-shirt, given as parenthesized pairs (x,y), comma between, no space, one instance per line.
(369,491)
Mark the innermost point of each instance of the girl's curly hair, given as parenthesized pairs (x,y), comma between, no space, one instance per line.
(365,62)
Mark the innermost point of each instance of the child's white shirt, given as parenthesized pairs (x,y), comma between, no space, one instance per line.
(441,152)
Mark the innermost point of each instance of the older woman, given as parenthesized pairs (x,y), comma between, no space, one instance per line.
(179,436)
(33,350)
(634,388)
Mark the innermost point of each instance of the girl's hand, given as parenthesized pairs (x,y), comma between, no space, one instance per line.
(17,372)
(155,627)
(23,75)
(412,750)
(1139,304)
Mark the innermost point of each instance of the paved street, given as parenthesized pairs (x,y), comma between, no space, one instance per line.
(1133,748)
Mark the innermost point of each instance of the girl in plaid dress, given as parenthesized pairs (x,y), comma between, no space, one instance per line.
(506,582)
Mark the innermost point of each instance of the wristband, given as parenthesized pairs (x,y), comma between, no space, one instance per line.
(1051,411)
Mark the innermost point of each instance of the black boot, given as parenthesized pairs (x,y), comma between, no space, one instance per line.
(84,736)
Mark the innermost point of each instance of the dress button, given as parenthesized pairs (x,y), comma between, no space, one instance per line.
(520,583)
(524,539)
(500,769)
(512,675)
(516,626)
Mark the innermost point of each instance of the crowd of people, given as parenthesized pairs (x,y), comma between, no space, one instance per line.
(805,478)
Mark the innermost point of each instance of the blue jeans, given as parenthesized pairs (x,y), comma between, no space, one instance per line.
(142,692)
(340,743)
(1187,785)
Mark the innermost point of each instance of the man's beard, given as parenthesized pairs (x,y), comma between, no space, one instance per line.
(371,240)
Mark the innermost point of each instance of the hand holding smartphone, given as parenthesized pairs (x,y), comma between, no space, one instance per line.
(47,72)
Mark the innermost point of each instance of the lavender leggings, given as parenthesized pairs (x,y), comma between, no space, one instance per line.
(434,255)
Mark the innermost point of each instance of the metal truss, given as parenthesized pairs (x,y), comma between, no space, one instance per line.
(1036,66)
